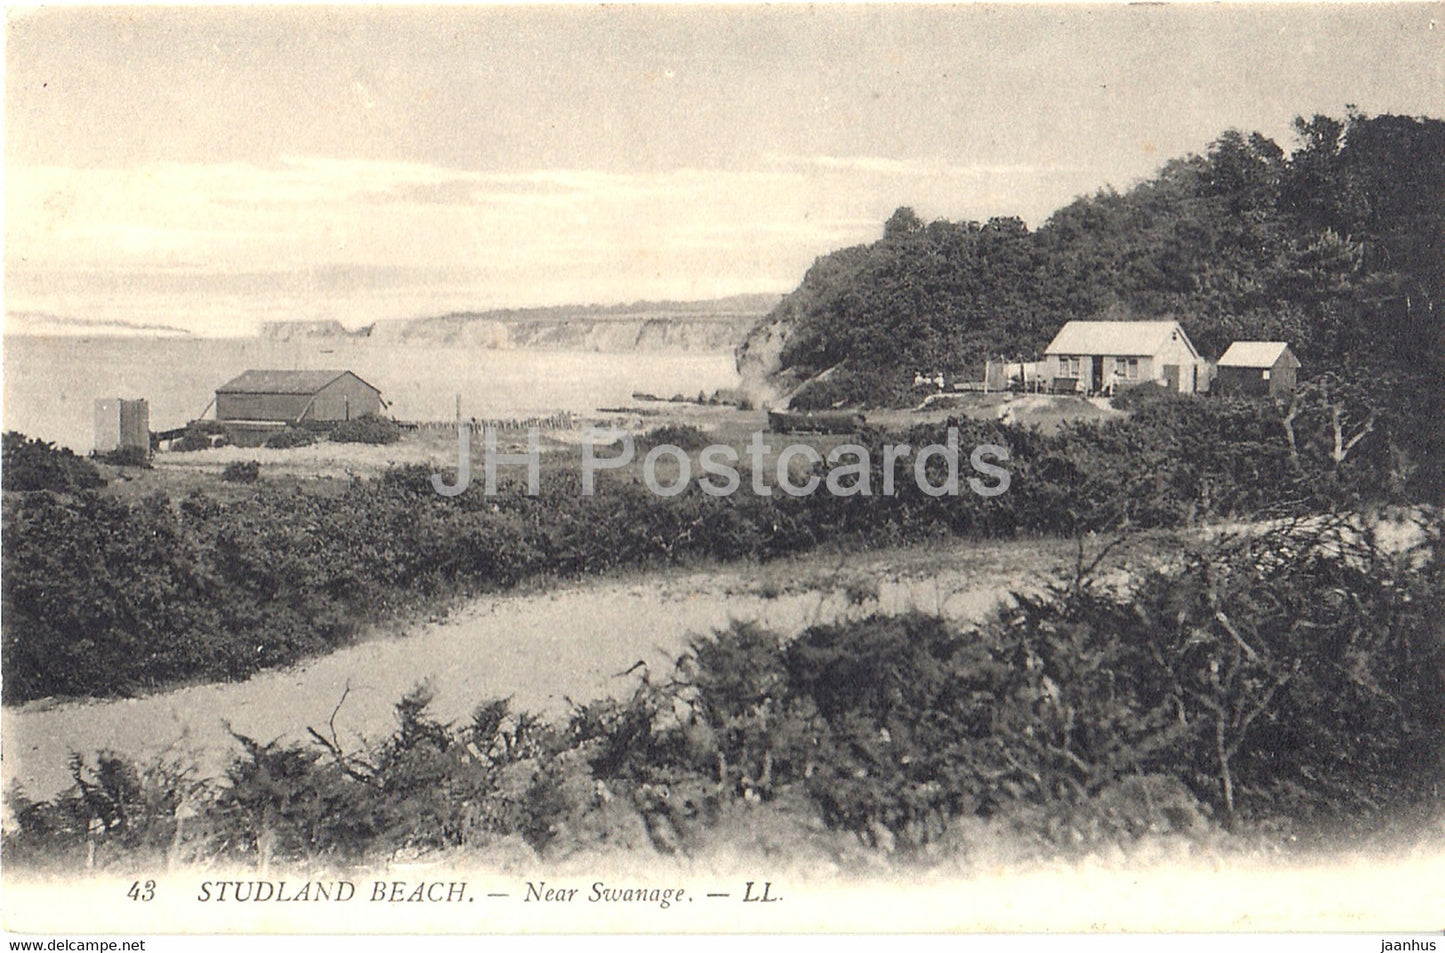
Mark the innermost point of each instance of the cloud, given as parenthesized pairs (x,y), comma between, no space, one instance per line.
(916,168)
(458,191)
(313,211)
(513,237)
(35,322)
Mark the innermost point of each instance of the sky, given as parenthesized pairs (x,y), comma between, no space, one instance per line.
(210,167)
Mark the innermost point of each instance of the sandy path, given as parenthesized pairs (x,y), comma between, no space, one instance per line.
(540,648)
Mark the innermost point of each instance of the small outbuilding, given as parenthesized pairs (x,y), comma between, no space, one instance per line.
(122,425)
(1092,357)
(1257,368)
(295,398)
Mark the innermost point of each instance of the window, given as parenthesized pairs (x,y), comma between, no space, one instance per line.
(1264,374)
(1069,367)
(1131,368)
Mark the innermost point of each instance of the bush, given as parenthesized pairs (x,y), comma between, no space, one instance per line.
(126,457)
(246,574)
(115,812)
(1306,663)
(1271,681)
(199,435)
(242,471)
(1142,395)
(1282,677)
(847,387)
(289,438)
(682,436)
(371,429)
(32,464)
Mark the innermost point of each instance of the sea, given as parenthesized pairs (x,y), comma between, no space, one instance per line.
(50,383)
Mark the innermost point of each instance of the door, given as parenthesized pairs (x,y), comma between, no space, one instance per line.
(1096,374)
(1171,376)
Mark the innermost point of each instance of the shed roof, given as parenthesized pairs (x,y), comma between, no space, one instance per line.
(1121,338)
(1256,354)
(283,382)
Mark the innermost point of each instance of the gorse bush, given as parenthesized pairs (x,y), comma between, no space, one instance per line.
(200,435)
(126,457)
(429,786)
(1228,675)
(850,387)
(1222,691)
(682,436)
(371,429)
(290,438)
(191,441)
(103,596)
(114,808)
(1143,395)
(30,464)
(242,471)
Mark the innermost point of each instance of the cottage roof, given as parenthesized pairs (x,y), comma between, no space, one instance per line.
(1256,354)
(1119,338)
(282,382)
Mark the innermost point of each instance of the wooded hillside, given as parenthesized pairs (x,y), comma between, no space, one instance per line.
(1337,247)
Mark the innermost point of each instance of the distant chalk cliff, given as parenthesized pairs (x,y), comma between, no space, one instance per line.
(311,331)
(719,325)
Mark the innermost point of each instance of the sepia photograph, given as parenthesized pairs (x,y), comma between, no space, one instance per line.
(875,468)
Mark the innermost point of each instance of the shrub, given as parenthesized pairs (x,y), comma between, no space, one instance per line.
(849,387)
(1279,677)
(197,436)
(246,574)
(113,811)
(242,471)
(1307,660)
(126,457)
(1275,680)
(428,786)
(32,464)
(1142,395)
(740,681)
(826,395)
(289,438)
(682,436)
(371,429)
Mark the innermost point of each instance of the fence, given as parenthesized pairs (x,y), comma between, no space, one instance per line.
(563,420)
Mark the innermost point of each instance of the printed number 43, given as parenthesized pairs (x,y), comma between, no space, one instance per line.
(144,892)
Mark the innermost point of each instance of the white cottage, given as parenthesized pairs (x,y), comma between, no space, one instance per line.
(1093,357)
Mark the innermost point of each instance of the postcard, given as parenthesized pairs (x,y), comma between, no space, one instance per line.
(709,470)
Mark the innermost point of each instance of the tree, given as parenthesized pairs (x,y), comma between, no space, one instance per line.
(903,222)
(1337,248)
